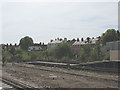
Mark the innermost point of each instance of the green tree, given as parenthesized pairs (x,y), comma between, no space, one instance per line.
(108,36)
(73,40)
(95,53)
(26,42)
(12,50)
(63,50)
(25,55)
(106,56)
(85,53)
(90,53)
(6,55)
(19,54)
(33,55)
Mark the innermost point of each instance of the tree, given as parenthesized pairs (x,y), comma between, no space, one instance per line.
(96,53)
(12,50)
(108,36)
(26,42)
(73,40)
(85,53)
(5,56)
(33,55)
(63,50)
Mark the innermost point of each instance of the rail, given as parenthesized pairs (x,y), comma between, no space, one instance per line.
(16,84)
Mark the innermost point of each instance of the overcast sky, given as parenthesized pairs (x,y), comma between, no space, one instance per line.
(44,21)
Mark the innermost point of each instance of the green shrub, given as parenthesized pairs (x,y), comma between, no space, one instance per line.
(107,56)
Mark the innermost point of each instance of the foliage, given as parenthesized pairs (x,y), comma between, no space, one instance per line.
(90,53)
(25,55)
(85,52)
(6,55)
(18,54)
(12,50)
(108,36)
(63,50)
(106,56)
(33,55)
(65,58)
(94,55)
(26,42)
(73,40)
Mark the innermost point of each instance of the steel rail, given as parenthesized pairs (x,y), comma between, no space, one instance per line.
(73,74)
(16,84)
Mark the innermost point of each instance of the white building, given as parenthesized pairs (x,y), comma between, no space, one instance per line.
(93,40)
(55,42)
(34,48)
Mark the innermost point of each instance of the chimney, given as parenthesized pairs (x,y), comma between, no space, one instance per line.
(40,43)
(58,38)
(65,40)
(51,40)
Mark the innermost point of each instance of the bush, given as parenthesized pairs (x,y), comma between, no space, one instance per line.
(90,53)
(85,53)
(6,55)
(63,50)
(65,59)
(33,55)
(25,55)
(107,56)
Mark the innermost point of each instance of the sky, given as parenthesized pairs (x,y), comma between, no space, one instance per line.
(44,21)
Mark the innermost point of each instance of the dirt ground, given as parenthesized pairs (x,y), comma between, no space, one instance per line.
(46,79)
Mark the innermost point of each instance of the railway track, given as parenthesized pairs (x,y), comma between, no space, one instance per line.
(62,72)
(15,84)
(97,66)
(74,74)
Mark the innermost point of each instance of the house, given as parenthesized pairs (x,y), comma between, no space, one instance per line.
(34,48)
(54,43)
(77,45)
(94,40)
(7,47)
(37,47)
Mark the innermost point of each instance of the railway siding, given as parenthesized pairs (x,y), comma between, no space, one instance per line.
(100,66)
(15,84)
(53,76)
(106,77)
